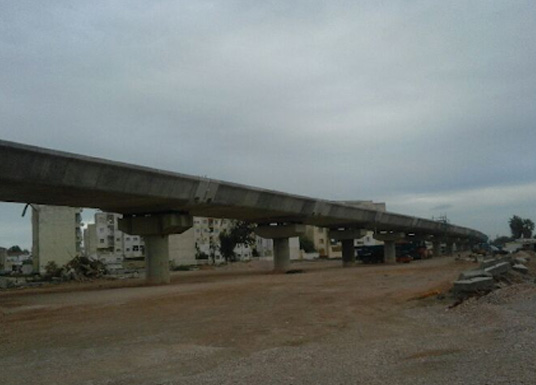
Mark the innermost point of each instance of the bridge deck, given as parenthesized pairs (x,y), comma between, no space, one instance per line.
(36,175)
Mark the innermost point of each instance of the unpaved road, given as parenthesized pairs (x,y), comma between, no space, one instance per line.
(244,325)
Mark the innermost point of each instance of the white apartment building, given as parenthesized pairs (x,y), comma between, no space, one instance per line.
(105,241)
(201,244)
(198,245)
(56,235)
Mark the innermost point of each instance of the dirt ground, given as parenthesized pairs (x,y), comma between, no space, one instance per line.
(241,324)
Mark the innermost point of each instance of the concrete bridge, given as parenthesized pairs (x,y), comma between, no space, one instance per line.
(157,203)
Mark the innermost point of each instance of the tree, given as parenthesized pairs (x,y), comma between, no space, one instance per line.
(521,227)
(15,249)
(528,228)
(243,233)
(516,226)
(227,245)
(306,244)
(240,233)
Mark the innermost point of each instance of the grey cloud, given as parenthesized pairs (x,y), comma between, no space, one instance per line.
(442,207)
(339,99)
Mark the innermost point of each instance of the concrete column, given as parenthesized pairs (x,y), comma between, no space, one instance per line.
(281,255)
(348,252)
(280,235)
(155,229)
(346,236)
(449,248)
(157,259)
(436,248)
(389,249)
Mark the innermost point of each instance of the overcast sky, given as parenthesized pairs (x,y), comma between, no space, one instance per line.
(429,106)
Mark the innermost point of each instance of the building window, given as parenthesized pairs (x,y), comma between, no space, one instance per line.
(101,240)
(128,249)
(135,248)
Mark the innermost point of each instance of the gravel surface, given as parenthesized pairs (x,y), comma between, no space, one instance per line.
(362,325)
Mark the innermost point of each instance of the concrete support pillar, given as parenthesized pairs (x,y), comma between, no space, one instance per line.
(449,248)
(280,235)
(157,259)
(389,252)
(155,229)
(389,248)
(281,255)
(436,248)
(346,236)
(348,252)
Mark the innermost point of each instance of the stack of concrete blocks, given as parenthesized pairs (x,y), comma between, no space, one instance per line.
(483,279)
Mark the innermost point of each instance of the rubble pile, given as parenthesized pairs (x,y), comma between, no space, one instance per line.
(78,269)
(493,273)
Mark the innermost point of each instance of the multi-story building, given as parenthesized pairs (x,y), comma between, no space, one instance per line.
(201,244)
(198,245)
(90,240)
(105,241)
(56,235)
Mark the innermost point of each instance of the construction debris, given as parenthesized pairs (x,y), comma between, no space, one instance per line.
(521,260)
(492,274)
(469,274)
(499,268)
(521,268)
(474,285)
(78,269)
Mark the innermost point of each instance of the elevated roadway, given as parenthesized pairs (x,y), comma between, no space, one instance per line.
(157,203)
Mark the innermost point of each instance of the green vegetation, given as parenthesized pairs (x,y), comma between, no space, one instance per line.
(240,233)
(521,227)
(306,244)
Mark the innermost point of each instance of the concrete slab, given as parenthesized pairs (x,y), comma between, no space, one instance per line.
(494,261)
(469,274)
(520,260)
(473,285)
(498,269)
(521,268)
